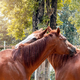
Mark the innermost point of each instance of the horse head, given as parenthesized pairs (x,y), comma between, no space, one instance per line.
(33,37)
(62,45)
(39,33)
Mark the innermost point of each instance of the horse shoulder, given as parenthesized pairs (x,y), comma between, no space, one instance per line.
(8,67)
(5,56)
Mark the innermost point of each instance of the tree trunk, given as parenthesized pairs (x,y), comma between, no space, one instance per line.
(53,16)
(34,21)
(48,7)
(38,15)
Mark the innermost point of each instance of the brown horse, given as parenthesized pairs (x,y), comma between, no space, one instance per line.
(66,67)
(20,63)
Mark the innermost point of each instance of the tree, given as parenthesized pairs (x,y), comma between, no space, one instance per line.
(38,14)
(54,13)
(3,31)
(19,12)
(69,29)
(75,17)
(22,13)
(52,75)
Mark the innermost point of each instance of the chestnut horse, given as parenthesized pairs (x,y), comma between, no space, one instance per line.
(20,63)
(66,67)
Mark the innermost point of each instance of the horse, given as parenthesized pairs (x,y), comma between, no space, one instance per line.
(66,67)
(19,69)
(33,37)
(20,63)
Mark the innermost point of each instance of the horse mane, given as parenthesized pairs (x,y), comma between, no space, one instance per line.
(30,52)
(58,60)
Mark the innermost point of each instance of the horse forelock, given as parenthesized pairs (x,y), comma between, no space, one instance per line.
(31,52)
(30,37)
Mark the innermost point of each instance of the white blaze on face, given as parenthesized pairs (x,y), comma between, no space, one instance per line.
(30,37)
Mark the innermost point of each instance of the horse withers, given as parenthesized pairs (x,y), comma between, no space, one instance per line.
(20,63)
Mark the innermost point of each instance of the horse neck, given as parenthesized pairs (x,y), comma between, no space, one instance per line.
(32,54)
(34,50)
(57,61)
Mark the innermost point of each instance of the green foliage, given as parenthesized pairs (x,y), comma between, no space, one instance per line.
(60,4)
(19,12)
(75,17)
(31,77)
(41,26)
(3,31)
(52,75)
(59,22)
(68,29)
(19,15)
(67,1)
(45,19)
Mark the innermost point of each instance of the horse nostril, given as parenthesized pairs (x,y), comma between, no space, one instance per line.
(71,54)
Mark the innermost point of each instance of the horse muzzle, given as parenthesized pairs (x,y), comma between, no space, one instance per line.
(72,51)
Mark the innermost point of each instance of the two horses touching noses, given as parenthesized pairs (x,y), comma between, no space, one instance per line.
(20,63)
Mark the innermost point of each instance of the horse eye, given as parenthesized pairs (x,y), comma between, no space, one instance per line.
(50,35)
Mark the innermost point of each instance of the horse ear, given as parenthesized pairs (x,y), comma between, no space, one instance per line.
(58,31)
(42,33)
(49,28)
